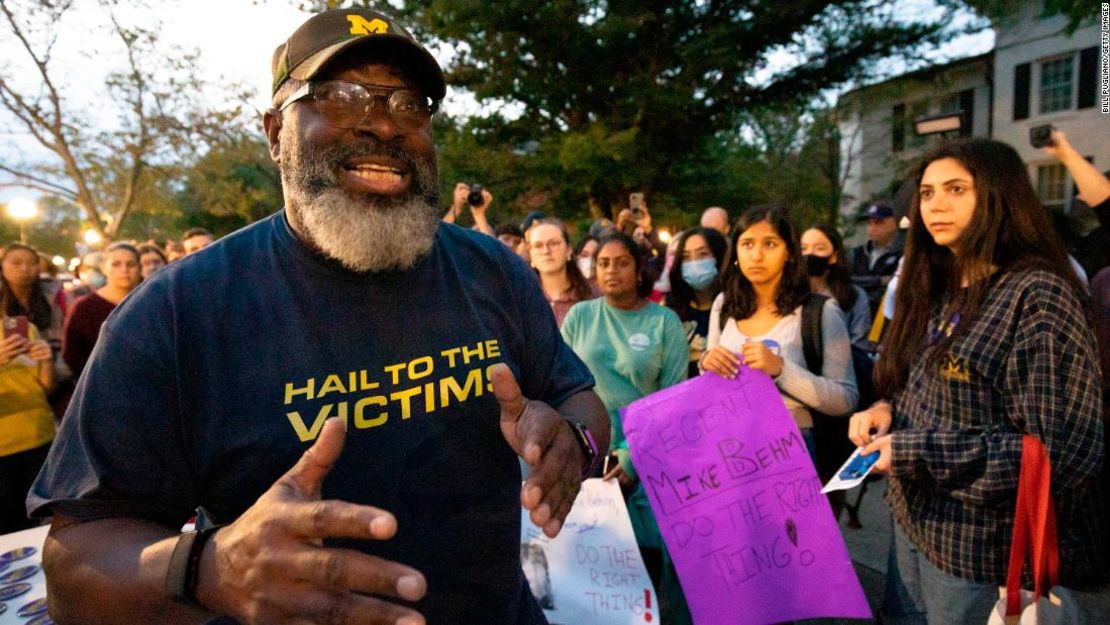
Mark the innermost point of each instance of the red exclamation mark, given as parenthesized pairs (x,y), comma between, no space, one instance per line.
(647,605)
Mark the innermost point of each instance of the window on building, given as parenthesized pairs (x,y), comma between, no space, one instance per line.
(949,104)
(1052,184)
(1056,85)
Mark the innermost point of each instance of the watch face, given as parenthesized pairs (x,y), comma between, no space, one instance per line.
(12,591)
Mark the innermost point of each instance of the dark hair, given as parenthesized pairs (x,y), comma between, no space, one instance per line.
(579,285)
(148,248)
(643,285)
(582,244)
(839,277)
(195,232)
(510,229)
(39,312)
(739,302)
(682,294)
(1009,229)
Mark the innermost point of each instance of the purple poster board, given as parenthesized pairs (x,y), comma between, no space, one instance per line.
(739,503)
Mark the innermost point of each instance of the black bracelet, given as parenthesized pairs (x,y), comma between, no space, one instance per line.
(184,569)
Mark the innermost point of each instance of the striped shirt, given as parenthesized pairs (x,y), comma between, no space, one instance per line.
(1027,362)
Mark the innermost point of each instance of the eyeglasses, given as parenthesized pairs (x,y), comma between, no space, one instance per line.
(553,244)
(346,104)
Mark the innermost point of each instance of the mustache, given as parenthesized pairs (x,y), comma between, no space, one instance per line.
(321,164)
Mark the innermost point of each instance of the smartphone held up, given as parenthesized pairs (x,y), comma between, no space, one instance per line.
(1041,136)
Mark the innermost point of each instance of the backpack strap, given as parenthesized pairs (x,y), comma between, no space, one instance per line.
(812,341)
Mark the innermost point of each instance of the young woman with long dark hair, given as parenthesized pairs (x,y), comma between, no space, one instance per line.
(22,293)
(26,378)
(695,283)
(823,251)
(756,320)
(990,340)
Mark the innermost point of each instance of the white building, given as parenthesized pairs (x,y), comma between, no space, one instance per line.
(1037,74)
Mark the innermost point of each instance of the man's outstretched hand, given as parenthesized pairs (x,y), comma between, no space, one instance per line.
(270,565)
(540,435)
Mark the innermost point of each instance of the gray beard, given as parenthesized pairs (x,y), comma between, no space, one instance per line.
(365,233)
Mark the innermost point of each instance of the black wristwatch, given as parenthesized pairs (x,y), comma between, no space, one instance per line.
(183,573)
(589,447)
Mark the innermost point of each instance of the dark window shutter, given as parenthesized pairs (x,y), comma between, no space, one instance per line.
(1088,70)
(967,112)
(1021,91)
(898,128)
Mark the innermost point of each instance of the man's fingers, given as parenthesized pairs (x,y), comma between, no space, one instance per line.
(343,570)
(507,392)
(331,518)
(307,476)
(324,608)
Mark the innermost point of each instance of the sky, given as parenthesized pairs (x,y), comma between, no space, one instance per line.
(236,39)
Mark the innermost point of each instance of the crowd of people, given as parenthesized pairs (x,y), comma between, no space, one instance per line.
(977,325)
(58,319)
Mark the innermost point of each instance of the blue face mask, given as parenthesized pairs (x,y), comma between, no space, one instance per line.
(699,274)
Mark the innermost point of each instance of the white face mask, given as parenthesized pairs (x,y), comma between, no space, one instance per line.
(586,266)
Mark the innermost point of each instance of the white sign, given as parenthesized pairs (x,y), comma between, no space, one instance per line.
(592,571)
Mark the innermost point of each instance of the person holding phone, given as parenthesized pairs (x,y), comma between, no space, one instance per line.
(990,340)
(22,293)
(26,377)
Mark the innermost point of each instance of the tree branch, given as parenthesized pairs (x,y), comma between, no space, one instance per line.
(54,188)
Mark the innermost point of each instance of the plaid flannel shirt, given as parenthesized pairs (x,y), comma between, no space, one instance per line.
(1027,362)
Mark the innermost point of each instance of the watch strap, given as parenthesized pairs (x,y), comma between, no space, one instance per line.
(184,569)
(588,445)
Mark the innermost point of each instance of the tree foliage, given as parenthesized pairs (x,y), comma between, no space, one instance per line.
(164,114)
(621,95)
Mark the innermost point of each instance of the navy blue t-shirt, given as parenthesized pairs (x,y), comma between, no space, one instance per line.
(212,378)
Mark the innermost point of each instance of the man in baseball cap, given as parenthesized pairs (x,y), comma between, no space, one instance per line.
(874,263)
(355,302)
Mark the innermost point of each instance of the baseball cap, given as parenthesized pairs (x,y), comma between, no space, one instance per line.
(326,35)
(879,210)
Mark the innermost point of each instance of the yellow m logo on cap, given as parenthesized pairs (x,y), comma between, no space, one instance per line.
(360,26)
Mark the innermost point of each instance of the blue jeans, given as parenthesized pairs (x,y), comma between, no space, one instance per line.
(944,599)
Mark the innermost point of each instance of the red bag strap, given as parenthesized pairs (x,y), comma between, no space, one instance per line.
(1034,527)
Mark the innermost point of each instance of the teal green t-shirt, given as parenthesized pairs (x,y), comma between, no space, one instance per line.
(632,353)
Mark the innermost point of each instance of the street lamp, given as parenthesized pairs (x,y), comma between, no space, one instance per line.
(92,237)
(22,210)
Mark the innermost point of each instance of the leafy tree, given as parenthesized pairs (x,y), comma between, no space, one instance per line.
(230,186)
(164,115)
(618,93)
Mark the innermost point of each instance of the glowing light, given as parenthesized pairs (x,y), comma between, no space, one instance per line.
(22,209)
(58,261)
(92,237)
(664,235)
